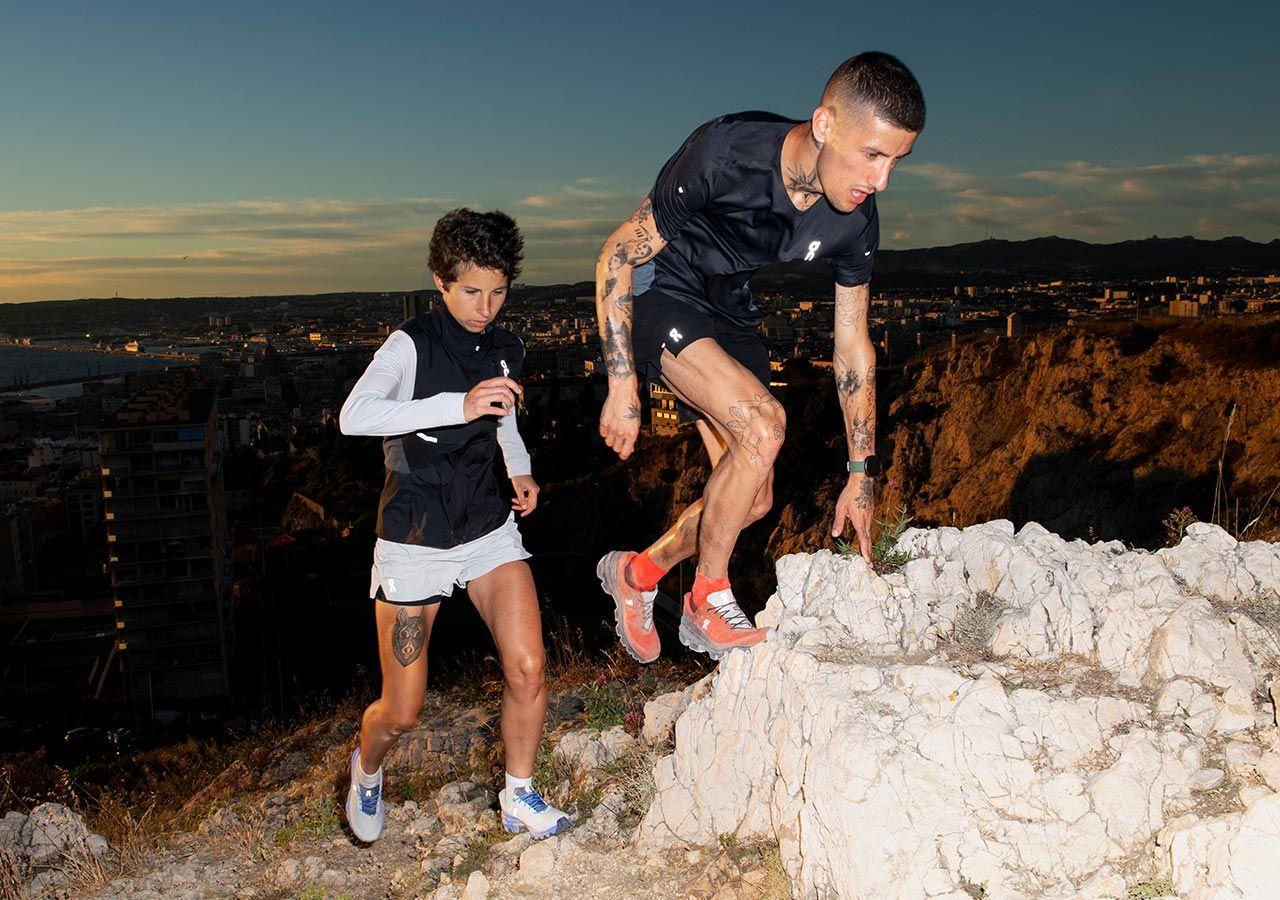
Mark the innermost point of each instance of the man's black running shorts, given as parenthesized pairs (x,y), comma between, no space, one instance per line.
(661,322)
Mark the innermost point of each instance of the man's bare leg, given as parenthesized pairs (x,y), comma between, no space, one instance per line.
(403,634)
(742,409)
(680,541)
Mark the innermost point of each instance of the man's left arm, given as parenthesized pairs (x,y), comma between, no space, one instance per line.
(854,364)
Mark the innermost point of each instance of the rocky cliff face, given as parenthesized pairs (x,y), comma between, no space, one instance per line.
(1010,715)
(1101,429)
(1105,428)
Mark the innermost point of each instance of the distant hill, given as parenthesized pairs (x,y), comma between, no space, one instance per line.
(1048,257)
(989,261)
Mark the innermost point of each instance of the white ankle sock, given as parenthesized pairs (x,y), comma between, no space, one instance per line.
(513,782)
(365,779)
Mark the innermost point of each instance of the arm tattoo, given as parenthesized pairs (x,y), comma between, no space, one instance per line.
(613,302)
(741,415)
(408,636)
(642,212)
(616,262)
(616,346)
(866,494)
(862,432)
(848,310)
(847,384)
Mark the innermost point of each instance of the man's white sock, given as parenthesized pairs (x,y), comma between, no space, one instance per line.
(513,782)
(366,780)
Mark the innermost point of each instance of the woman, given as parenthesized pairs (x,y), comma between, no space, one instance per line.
(441,392)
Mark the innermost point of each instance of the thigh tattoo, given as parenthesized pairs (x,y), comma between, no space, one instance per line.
(408,636)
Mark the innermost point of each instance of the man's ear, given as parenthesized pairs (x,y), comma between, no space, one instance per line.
(822,122)
(439,284)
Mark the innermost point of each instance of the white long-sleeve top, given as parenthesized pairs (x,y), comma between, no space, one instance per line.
(382,404)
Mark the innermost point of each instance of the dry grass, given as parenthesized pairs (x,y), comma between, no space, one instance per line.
(11,884)
(976,623)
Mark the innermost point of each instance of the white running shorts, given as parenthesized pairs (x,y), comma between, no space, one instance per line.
(411,574)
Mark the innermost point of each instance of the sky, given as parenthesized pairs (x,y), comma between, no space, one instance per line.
(180,149)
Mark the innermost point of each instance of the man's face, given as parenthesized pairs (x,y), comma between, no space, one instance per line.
(859,152)
(475,296)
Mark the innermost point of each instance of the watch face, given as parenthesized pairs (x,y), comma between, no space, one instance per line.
(871,465)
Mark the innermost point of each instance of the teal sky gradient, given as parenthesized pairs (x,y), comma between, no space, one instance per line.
(310,146)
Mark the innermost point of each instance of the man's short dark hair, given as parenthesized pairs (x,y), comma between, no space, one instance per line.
(881,83)
(488,240)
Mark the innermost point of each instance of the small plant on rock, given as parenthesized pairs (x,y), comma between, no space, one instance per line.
(1175,525)
(606,707)
(1148,890)
(884,557)
(976,623)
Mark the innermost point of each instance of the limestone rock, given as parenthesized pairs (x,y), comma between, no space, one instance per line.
(476,888)
(944,776)
(660,713)
(585,750)
(537,861)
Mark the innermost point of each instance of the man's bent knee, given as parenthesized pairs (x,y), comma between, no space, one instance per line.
(759,438)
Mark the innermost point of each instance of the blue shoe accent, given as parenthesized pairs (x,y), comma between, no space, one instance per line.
(531,798)
(369,798)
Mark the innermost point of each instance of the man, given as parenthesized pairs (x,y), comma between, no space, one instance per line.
(745,191)
(441,392)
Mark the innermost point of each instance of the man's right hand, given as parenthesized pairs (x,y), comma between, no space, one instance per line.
(480,399)
(620,419)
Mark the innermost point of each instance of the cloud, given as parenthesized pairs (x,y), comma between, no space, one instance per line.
(1210,194)
(313,245)
(946,177)
(541,201)
(319,244)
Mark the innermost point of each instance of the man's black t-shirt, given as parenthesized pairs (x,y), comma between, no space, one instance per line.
(721,205)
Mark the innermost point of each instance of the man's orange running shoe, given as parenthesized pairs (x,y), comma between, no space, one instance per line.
(632,609)
(718,626)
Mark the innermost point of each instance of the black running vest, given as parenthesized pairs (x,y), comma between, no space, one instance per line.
(441,489)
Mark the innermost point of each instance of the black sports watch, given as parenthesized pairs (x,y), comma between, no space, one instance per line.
(870,466)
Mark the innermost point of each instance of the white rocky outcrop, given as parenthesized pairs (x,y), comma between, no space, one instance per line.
(1037,716)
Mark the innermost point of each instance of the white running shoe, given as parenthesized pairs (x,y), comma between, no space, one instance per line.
(527,811)
(366,812)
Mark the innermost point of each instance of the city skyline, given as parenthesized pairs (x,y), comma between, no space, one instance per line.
(244,151)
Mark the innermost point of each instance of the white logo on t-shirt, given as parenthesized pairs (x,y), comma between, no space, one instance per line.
(867,253)
(679,190)
(506,370)
(813,249)
(676,336)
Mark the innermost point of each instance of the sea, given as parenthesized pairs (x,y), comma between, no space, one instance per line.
(19,364)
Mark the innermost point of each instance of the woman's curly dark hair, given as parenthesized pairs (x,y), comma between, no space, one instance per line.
(489,240)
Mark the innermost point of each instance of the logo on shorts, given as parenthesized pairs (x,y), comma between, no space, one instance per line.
(813,249)
(391,585)
(675,335)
